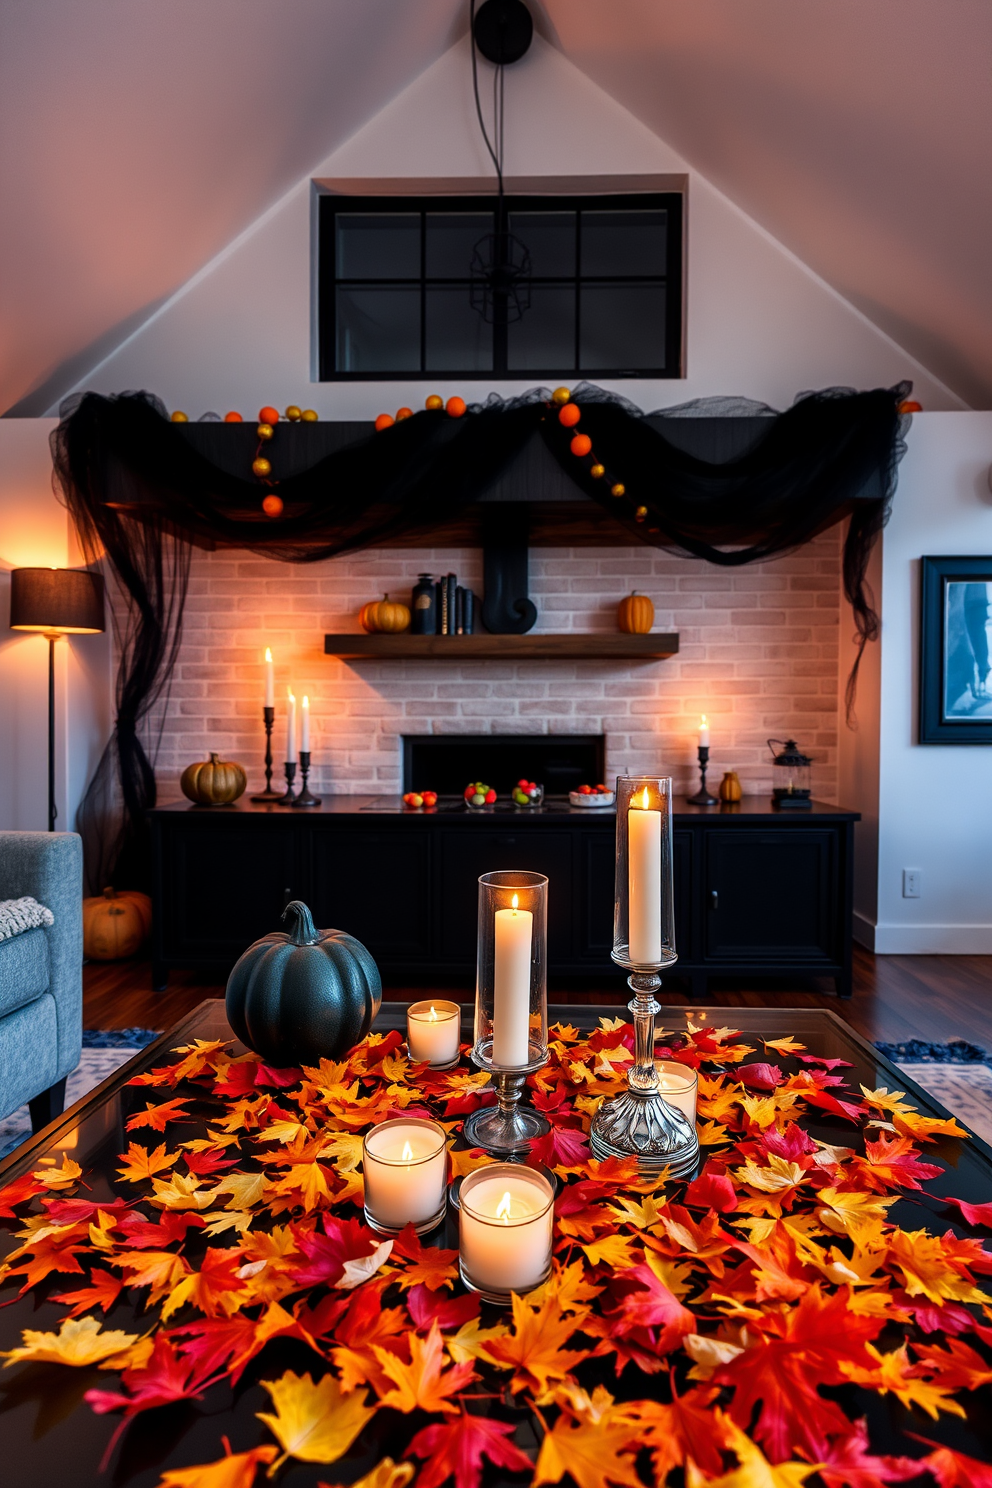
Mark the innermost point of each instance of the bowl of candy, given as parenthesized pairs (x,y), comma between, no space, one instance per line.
(527,793)
(478,795)
(592,795)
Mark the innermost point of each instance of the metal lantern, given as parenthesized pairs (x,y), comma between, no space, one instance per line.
(793,789)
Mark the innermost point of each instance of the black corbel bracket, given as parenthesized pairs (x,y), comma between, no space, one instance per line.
(506,609)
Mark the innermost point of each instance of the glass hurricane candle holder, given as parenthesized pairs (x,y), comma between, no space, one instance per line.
(506,1213)
(404,1163)
(678,1084)
(641,1122)
(511,1005)
(433,1031)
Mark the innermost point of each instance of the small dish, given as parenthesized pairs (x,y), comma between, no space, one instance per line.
(599,799)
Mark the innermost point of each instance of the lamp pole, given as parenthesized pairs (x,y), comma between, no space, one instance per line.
(51,637)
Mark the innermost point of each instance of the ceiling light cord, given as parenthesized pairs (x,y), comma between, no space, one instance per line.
(495,153)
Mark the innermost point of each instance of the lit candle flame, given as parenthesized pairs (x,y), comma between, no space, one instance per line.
(407,1154)
(433,1016)
(703,723)
(289,694)
(645,799)
(306,701)
(503,1212)
(268,653)
(513,904)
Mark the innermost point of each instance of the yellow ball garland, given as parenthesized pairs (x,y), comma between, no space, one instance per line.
(178,417)
(293,414)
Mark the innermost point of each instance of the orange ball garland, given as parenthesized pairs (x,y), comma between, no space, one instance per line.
(268,415)
(178,417)
(233,418)
(434,402)
(455,407)
(272,505)
(569,415)
(403,413)
(618,490)
(910,405)
(384,421)
(581,445)
(265,431)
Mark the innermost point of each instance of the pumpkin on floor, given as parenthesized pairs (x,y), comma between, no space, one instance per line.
(115,925)
(302,996)
(635,614)
(213,782)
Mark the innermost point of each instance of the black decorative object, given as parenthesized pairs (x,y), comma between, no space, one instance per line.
(506,609)
(140,493)
(794,793)
(306,796)
(503,31)
(289,796)
(304,995)
(702,796)
(269,715)
(955,691)
(423,607)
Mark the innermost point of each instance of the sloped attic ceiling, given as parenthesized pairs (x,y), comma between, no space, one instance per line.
(141,139)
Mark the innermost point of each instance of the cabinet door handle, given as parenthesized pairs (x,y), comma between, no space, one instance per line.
(714,899)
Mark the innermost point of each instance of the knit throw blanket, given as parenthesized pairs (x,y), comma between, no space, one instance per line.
(18,915)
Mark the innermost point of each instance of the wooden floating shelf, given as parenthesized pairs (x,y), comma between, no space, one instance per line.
(540,647)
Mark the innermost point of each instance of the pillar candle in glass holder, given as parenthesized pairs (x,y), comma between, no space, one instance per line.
(290,728)
(511,985)
(432,1032)
(404,1162)
(505,1216)
(677,1084)
(644,868)
(305,726)
(270,680)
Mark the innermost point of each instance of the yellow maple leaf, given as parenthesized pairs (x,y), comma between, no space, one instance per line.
(591,1452)
(236,1470)
(712,1134)
(246,1189)
(784,1045)
(615,1250)
(229,1219)
(535,1350)
(180,1192)
(471,1339)
(568,1287)
(61,1177)
(844,1212)
(642,1215)
(313,1422)
(753,1470)
(778,1175)
(283,1131)
(344,1150)
(926,1269)
(305,1180)
(895,1373)
(385,1474)
(466,1159)
(79,1341)
(139,1163)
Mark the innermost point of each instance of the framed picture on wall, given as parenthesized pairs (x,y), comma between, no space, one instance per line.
(956,651)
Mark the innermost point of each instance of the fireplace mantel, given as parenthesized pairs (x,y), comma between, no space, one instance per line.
(530,647)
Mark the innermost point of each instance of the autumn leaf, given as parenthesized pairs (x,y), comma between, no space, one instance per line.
(456,1449)
(19,1192)
(975,1214)
(62,1177)
(593,1454)
(894,1372)
(235,1470)
(754,1469)
(465,1160)
(953,1469)
(214,1289)
(159,1116)
(313,1422)
(163,1378)
(326,1255)
(712,1190)
(681,1430)
(850,1463)
(783,1045)
(78,1342)
(424,1383)
(427,1307)
(616,1251)
(180,1193)
(385,1474)
(563,1147)
(245,1189)
(140,1164)
(103,1291)
(535,1350)
(433,1268)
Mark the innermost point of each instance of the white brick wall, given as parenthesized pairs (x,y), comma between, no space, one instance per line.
(759,649)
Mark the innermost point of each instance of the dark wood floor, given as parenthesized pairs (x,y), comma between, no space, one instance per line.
(895,997)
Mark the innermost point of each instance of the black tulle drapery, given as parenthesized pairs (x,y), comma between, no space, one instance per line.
(142,491)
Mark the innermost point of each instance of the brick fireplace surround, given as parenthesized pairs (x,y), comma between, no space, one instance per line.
(759,655)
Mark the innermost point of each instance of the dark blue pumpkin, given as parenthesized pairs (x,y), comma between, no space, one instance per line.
(305,995)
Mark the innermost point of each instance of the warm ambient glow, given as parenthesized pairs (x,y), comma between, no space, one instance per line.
(268,653)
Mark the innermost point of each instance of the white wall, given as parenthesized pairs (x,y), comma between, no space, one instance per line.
(759,323)
(34,532)
(933,802)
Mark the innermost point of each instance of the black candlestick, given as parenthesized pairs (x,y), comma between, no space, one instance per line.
(702,796)
(305,798)
(269,714)
(289,799)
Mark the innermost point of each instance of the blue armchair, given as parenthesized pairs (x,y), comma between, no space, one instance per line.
(41,974)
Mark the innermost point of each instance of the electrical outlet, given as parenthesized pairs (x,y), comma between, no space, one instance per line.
(911,883)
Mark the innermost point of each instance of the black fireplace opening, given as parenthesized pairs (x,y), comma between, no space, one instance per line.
(447,763)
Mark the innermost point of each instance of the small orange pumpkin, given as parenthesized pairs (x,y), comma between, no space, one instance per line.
(730,787)
(366,616)
(635,614)
(391,616)
(115,925)
(213,782)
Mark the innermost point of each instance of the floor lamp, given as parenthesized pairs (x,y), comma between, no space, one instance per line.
(57,601)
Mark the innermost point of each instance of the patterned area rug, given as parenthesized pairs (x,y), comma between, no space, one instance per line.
(104,1050)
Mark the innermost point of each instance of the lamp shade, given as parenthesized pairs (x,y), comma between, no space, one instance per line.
(66,600)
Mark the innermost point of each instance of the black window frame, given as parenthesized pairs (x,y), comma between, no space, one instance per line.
(329,204)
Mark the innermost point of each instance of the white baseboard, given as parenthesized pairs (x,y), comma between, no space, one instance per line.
(923,940)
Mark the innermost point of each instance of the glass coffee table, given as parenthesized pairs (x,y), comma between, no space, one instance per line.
(50,1436)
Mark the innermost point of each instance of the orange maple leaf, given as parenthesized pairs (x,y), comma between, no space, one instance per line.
(435,1268)
(158,1117)
(535,1349)
(139,1163)
(103,1291)
(234,1470)
(424,1383)
(592,1453)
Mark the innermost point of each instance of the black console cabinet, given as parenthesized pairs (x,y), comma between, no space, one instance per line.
(757,891)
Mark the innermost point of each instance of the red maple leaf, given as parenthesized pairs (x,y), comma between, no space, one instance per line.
(951,1318)
(849,1463)
(283,1078)
(712,1190)
(144,1234)
(103,1291)
(166,1377)
(206,1164)
(562,1147)
(429,1263)
(828,1102)
(824,1063)
(893,1163)
(81,1211)
(648,1303)
(759,1076)
(427,1307)
(343,1240)
(455,1449)
(376,1053)
(792,1144)
(18,1192)
(797,1351)
(975,1214)
(237,1080)
(217,1345)
(953,1469)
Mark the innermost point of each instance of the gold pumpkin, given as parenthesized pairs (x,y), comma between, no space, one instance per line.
(635,614)
(213,782)
(730,787)
(391,616)
(115,925)
(366,616)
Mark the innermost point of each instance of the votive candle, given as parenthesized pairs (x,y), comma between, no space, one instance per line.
(644,870)
(677,1083)
(404,1162)
(433,1031)
(511,985)
(505,1213)
(270,680)
(290,728)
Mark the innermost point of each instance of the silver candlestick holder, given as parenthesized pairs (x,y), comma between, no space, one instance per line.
(640,1122)
(269,716)
(306,796)
(511,1007)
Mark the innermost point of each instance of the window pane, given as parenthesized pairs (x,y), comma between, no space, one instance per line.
(624,243)
(451,238)
(458,339)
(545,337)
(622,327)
(378,330)
(550,238)
(379,246)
